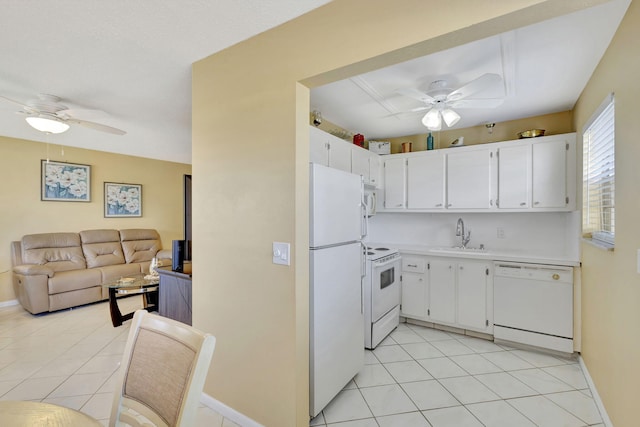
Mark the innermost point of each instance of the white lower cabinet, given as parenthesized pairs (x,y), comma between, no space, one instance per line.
(442,292)
(450,291)
(415,287)
(475,296)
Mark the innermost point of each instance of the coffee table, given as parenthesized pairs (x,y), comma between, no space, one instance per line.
(128,287)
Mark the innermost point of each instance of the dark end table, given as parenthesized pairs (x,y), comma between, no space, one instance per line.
(129,287)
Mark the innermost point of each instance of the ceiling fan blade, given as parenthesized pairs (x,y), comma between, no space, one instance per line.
(416,94)
(474,86)
(81,114)
(96,126)
(411,112)
(476,103)
(23,105)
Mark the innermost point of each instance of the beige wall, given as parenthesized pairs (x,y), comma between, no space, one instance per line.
(553,124)
(250,151)
(610,281)
(22,211)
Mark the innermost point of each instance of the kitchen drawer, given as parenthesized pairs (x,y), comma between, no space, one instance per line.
(414,264)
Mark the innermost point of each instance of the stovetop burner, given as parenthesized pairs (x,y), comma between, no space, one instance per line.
(379,253)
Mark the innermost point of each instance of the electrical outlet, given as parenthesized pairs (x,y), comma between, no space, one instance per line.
(500,233)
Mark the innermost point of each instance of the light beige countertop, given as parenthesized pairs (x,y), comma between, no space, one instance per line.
(486,254)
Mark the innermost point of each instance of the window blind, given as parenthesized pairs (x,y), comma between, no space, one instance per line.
(598,173)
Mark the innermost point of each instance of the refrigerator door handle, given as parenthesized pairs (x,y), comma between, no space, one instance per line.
(363,260)
(364,227)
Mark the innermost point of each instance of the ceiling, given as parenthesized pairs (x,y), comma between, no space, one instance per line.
(544,68)
(131,60)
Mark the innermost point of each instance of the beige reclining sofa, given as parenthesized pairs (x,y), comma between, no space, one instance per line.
(53,271)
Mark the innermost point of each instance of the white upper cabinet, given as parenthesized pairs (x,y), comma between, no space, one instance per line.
(329,150)
(395,184)
(319,146)
(339,154)
(360,163)
(426,181)
(550,174)
(514,177)
(375,163)
(537,174)
(469,179)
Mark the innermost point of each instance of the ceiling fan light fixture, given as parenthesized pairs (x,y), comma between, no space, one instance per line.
(47,125)
(450,117)
(432,120)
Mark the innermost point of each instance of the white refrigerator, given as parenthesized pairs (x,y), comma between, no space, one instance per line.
(336,333)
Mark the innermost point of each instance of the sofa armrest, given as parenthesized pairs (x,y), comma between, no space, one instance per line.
(33,270)
(164,254)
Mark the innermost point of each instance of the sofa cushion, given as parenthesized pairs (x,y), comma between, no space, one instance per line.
(65,281)
(58,251)
(74,298)
(112,273)
(139,245)
(101,247)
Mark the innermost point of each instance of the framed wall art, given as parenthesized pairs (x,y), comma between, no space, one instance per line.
(65,182)
(122,200)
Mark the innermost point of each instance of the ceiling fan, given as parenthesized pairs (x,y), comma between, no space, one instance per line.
(48,115)
(440,100)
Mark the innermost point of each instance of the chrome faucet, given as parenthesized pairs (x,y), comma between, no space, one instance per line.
(460,233)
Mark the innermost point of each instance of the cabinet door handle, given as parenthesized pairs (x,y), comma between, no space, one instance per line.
(523,204)
(412,265)
(461,268)
(439,205)
(449,205)
(536,203)
(399,206)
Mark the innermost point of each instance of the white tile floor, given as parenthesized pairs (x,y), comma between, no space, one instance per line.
(69,358)
(422,377)
(418,377)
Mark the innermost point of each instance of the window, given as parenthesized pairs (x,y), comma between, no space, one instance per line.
(598,175)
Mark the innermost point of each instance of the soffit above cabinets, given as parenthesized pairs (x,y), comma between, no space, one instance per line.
(544,68)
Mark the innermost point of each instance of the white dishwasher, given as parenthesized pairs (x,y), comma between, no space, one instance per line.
(533,304)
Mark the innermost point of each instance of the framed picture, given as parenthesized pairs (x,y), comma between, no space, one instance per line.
(122,200)
(65,182)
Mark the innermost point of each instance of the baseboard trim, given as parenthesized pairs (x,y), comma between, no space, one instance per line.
(9,303)
(594,393)
(228,412)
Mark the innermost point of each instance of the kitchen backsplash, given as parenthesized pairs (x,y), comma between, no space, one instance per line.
(549,233)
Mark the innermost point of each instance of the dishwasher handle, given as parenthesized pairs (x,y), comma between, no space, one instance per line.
(534,273)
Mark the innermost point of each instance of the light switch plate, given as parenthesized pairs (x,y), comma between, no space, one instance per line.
(281,253)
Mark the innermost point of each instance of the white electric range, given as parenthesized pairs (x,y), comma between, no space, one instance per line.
(381,293)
